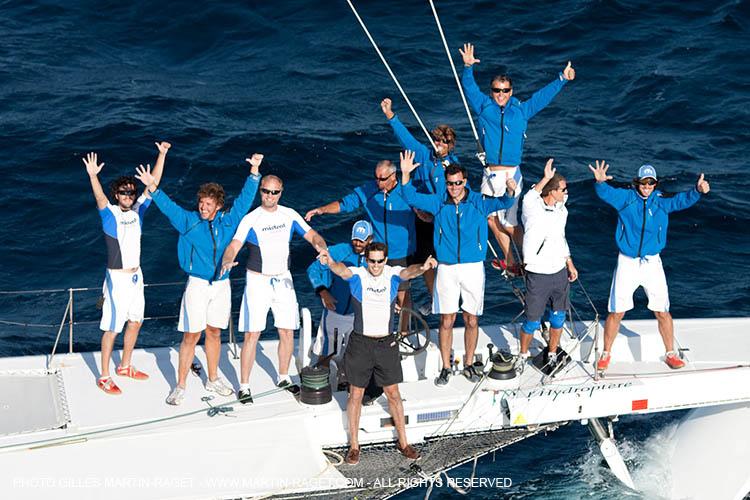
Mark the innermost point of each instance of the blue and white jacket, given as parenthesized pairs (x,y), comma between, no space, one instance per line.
(321,276)
(460,234)
(503,129)
(202,243)
(642,222)
(391,217)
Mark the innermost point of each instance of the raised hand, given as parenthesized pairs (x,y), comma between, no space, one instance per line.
(255,162)
(549,170)
(385,105)
(407,161)
(163,147)
(569,73)
(468,54)
(429,263)
(510,186)
(92,168)
(702,185)
(143,174)
(600,172)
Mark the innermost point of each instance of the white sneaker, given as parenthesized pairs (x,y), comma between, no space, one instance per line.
(284,381)
(176,396)
(219,386)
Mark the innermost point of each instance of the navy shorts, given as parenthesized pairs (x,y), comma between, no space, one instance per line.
(368,356)
(546,289)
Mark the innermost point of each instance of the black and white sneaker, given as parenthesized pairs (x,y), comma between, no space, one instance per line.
(285,383)
(442,379)
(244,396)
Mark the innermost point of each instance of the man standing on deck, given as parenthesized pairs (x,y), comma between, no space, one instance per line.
(643,217)
(429,178)
(460,240)
(206,303)
(549,267)
(123,284)
(372,349)
(267,231)
(503,120)
(391,217)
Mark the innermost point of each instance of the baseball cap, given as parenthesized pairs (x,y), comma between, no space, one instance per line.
(647,171)
(361,230)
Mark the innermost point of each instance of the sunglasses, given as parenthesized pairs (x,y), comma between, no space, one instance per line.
(126,192)
(383,179)
(497,90)
(375,261)
(647,182)
(455,183)
(564,190)
(441,141)
(272,192)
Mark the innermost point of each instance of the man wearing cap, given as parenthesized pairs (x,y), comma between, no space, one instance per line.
(337,320)
(643,216)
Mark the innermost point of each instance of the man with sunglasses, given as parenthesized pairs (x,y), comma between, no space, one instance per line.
(206,302)
(503,120)
(123,283)
(460,240)
(429,177)
(391,216)
(643,217)
(549,267)
(372,349)
(267,232)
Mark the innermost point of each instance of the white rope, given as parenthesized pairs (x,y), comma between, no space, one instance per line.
(395,80)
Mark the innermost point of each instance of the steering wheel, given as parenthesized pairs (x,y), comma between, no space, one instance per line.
(415,335)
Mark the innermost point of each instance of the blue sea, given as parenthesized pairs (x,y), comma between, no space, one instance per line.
(657,82)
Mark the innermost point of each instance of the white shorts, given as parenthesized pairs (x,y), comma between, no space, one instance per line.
(493,184)
(333,332)
(632,273)
(459,281)
(123,299)
(263,292)
(205,304)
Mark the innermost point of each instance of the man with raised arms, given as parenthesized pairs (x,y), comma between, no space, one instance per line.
(391,217)
(502,121)
(429,177)
(460,240)
(642,220)
(267,231)
(123,282)
(372,349)
(549,267)
(206,303)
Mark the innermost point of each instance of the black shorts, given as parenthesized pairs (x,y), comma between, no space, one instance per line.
(368,356)
(425,247)
(543,289)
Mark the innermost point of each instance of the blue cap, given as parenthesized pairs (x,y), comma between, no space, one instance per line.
(361,230)
(647,171)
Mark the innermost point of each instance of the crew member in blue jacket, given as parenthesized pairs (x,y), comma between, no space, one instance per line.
(460,240)
(502,121)
(206,302)
(391,217)
(643,217)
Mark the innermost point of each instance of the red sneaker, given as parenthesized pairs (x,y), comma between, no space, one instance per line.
(498,264)
(131,371)
(108,385)
(673,361)
(603,362)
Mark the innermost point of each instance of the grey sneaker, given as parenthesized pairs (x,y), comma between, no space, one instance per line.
(425,309)
(176,396)
(442,380)
(219,386)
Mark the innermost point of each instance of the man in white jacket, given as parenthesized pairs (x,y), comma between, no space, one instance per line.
(549,267)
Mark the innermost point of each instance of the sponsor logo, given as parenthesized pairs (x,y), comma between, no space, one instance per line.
(375,290)
(274,227)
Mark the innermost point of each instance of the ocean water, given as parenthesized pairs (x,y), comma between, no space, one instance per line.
(658,82)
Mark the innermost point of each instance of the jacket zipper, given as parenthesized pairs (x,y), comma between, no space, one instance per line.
(213,241)
(643,228)
(385,218)
(458,227)
(502,135)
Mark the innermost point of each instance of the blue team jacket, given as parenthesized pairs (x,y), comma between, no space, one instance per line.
(460,234)
(642,223)
(503,130)
(391,217)
(202,243)
(321,276)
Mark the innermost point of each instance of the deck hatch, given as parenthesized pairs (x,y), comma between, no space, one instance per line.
(31,400)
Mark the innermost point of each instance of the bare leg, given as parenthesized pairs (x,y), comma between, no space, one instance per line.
(128,342)
(247,355)
(611,327)
(187,353)
(213,350)
(471,334)
(286,348)
(396,409)
(353,410)
(666,329)
(429,280)
(526,339)
(446,338)
(502,238)
(404,300)
(554,338)
(108,342)
(516,233)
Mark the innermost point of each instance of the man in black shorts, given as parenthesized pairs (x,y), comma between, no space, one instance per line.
(372,349)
